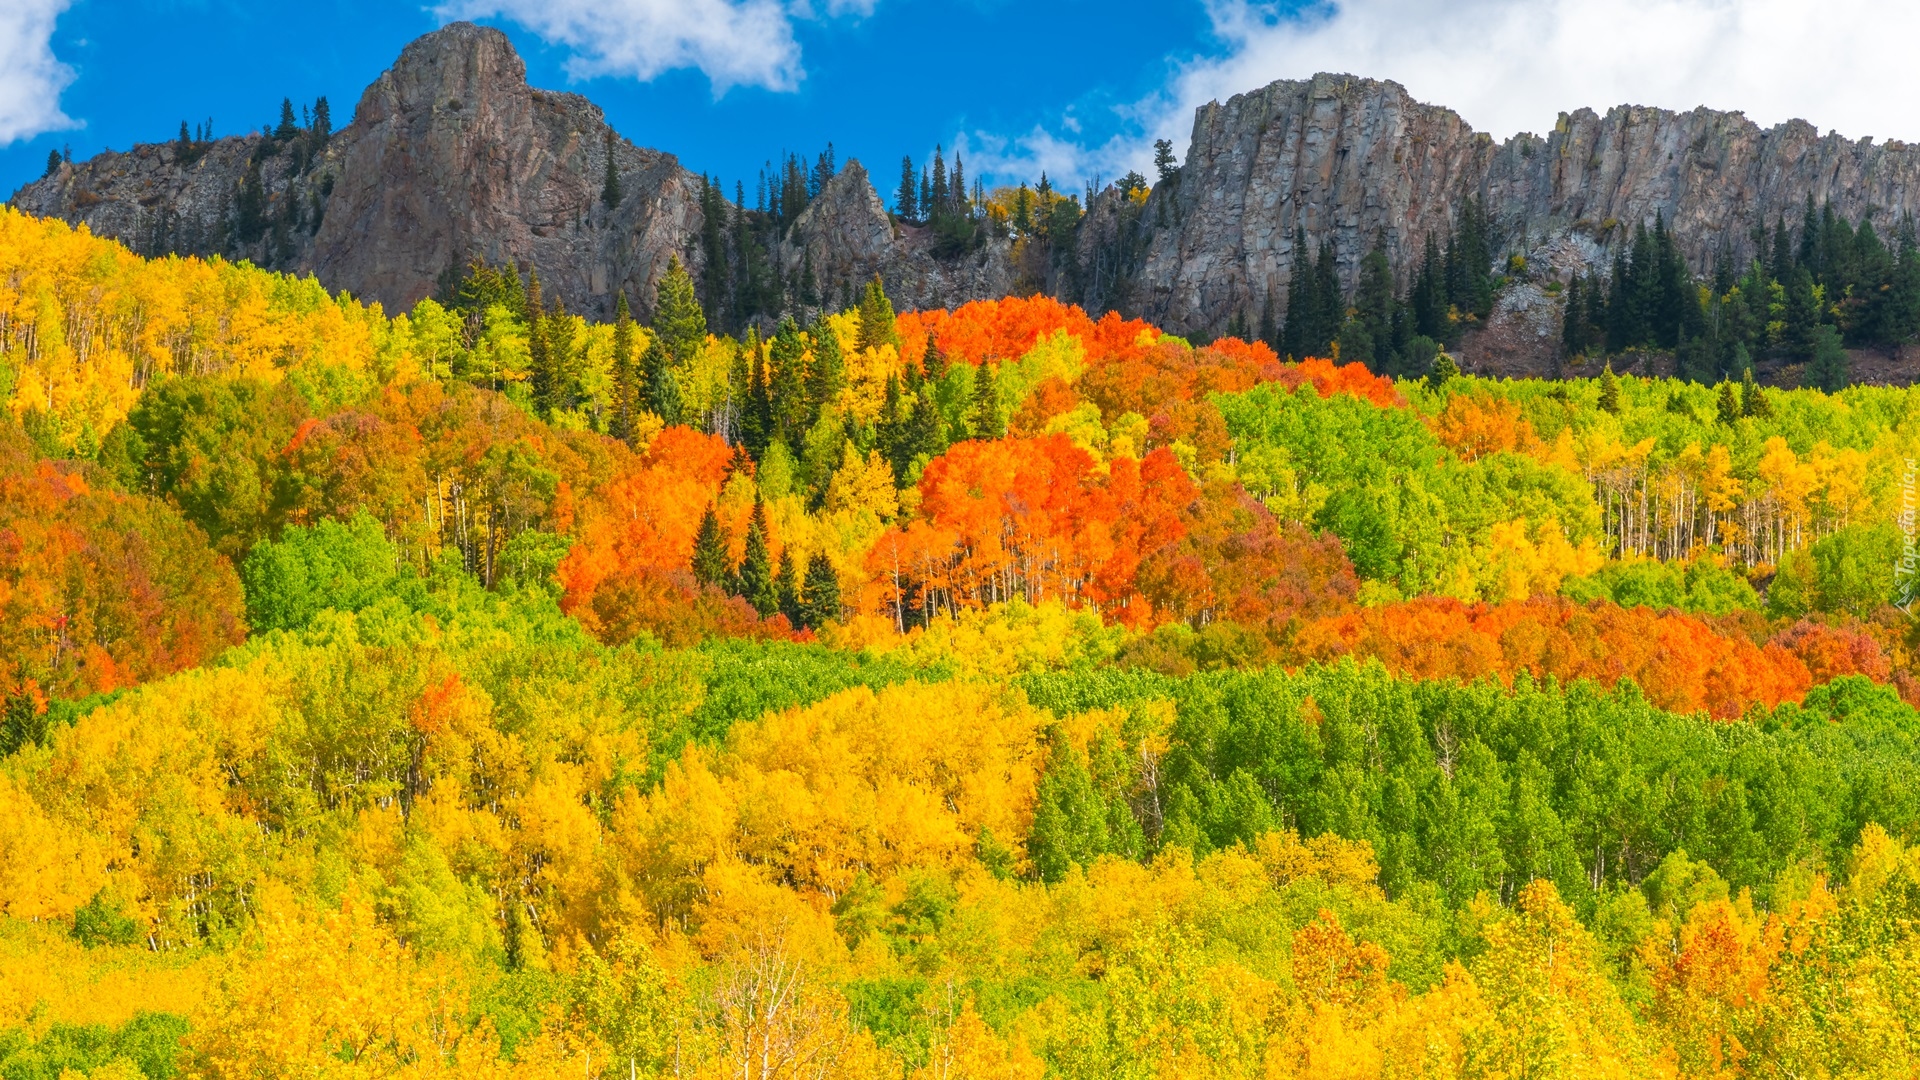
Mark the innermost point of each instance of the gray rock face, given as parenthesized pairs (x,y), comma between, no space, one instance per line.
(451,156)
(1357,162)
(847,237)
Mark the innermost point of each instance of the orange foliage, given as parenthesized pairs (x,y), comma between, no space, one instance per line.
(996,330)
(1831,651)
(1476,426)
(1033,518)
(629,568)
(100,590)
(1329,378)
(1680,662)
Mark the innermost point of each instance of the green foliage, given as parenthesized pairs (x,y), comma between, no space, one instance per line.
(1476,788)
(678,320)
(1701,586)
(150,1042)
(344,566)
(103,922)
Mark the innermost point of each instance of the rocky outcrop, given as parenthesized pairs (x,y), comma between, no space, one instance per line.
(450,157)
(1357,162)
(845,237)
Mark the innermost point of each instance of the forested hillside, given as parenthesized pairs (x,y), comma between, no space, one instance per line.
(997,692)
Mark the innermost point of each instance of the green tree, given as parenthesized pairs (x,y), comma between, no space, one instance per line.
(983,419)
(1828,369)
(610,188)
(711,564)
(1163,160)
(289,125)
(1728,404)
(1609,391)
(678,321)
(877,325)
(906,200)
(756,580)
(53,162)
(344,566)
(1069,815)
(820,595)
(1753,400)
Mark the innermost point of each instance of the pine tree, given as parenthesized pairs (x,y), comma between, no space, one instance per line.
(826,374)
(1573,330)
(755,580)
(1728,406)
(53,162)
(184,147)
(322,120)
(678,321)
(539,361)
(934,362)
(1827,370)
(626,386)
(786,383)
(1163,159)
(983,419)
(711,566)
(1442,371)
(610,188)
(787,584)
(289,125)
(1609,391)
(877,323)
(1753,400)
(820,597)
(663,385)
(1428,297)
(906,200)
(758,432)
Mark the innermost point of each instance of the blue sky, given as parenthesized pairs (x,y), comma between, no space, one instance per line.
(896,81)
(1076,87)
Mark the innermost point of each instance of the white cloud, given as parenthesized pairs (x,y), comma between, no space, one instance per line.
(734,42)
(31,78)
(1515,65)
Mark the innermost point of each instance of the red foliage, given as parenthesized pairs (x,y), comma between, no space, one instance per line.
(99,590)
(996,330)
(1237,563)
(1329,378)
(1831,651)
(1679,661)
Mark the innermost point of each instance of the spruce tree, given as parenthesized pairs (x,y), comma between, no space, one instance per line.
(906,200)
(678,320)
(711,566)
(787,581)
(53,162)
(610,188)
(1728,406)
(184,147)
(820,596)
(539,361)
(1753,400)
(289,125)
(786,383)
(755,580)
(322,120)
(626,383)
(826,374)
(983,419)
(1609,391)
(1442,371)
(663,386)
(1573,331)
(1827,371)
(1163,159)
(758,431)
(877,324)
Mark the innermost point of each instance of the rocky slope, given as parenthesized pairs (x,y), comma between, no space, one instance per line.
(1358,161)
(450,157)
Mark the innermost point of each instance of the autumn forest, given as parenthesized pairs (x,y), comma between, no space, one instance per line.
(1004,692)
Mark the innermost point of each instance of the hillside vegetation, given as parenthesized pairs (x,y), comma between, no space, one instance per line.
(1002,692)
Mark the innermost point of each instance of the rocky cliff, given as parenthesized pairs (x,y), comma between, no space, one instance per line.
(1357,162)
(451,156)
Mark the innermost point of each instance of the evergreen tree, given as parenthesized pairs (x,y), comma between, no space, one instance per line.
(934,362)
(53,162)
(663,385)
(820,596)
(787,585)
(711,566)
(1753,400)
(1163,159)
(1443,371)
(322,121)
(906,200)
(678,320)
(983,419)
(926,433)
(1609,391)
(1828,369)
(289,125)
(1728,406)
(610,187)
(539,361)
(757,430)
(1428,297)
(1802,315)
(626,383)
(786,384)
(183,148)
(877,324)
(827,373)
(755,580)
(1368,336)
(1573,329)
